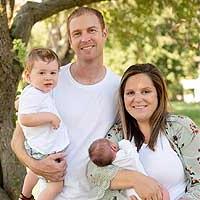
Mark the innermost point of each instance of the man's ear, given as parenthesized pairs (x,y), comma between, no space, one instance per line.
(69,40)
(105,32)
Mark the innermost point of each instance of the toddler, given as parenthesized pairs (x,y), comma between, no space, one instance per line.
(43,128)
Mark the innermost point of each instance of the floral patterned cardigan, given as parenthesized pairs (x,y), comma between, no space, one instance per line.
(184,137)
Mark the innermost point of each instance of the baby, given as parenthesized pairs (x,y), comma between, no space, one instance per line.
(103,152)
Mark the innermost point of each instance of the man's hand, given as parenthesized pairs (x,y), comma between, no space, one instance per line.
(50,168)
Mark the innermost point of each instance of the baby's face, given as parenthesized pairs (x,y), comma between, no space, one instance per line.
(44,75)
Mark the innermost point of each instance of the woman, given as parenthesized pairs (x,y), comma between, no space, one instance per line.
(168,145)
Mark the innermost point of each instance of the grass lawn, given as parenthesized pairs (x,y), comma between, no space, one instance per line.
(191,110)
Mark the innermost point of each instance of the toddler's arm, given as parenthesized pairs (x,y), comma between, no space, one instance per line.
(38,119)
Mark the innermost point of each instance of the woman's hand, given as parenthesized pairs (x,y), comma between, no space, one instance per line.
(50,168)
(132,197)
(146,187)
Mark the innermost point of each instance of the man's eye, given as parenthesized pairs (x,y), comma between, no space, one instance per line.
(92,30)
(76,34)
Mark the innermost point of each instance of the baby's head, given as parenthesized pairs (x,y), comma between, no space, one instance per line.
(102,152)
(41,69)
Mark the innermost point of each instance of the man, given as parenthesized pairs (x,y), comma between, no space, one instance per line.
(86,100)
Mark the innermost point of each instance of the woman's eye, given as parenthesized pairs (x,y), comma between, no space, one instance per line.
(130,93)
(146,92)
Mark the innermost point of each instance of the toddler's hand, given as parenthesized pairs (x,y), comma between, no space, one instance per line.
(55,121)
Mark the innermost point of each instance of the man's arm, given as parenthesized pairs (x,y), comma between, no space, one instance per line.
(48,168)
(37,119)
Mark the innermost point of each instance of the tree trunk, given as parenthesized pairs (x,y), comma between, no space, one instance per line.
(3,195)
(11,171)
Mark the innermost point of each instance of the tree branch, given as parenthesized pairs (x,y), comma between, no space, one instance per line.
(10,6)
(33,12)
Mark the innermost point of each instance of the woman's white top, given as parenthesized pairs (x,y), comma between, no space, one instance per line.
(164,165)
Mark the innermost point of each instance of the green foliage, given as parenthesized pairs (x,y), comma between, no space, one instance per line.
(165,33)
(51,33)
(191,110)
(19,48)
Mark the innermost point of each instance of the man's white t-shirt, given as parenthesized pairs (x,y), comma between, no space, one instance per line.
(88,111)
(43,139)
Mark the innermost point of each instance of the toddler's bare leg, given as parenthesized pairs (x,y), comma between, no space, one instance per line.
(30,181)
(51,191)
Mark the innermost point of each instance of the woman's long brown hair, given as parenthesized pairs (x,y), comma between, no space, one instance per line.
(158,118)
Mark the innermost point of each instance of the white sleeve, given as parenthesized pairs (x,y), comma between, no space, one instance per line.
(127,157)
(127,146)
(30,100)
